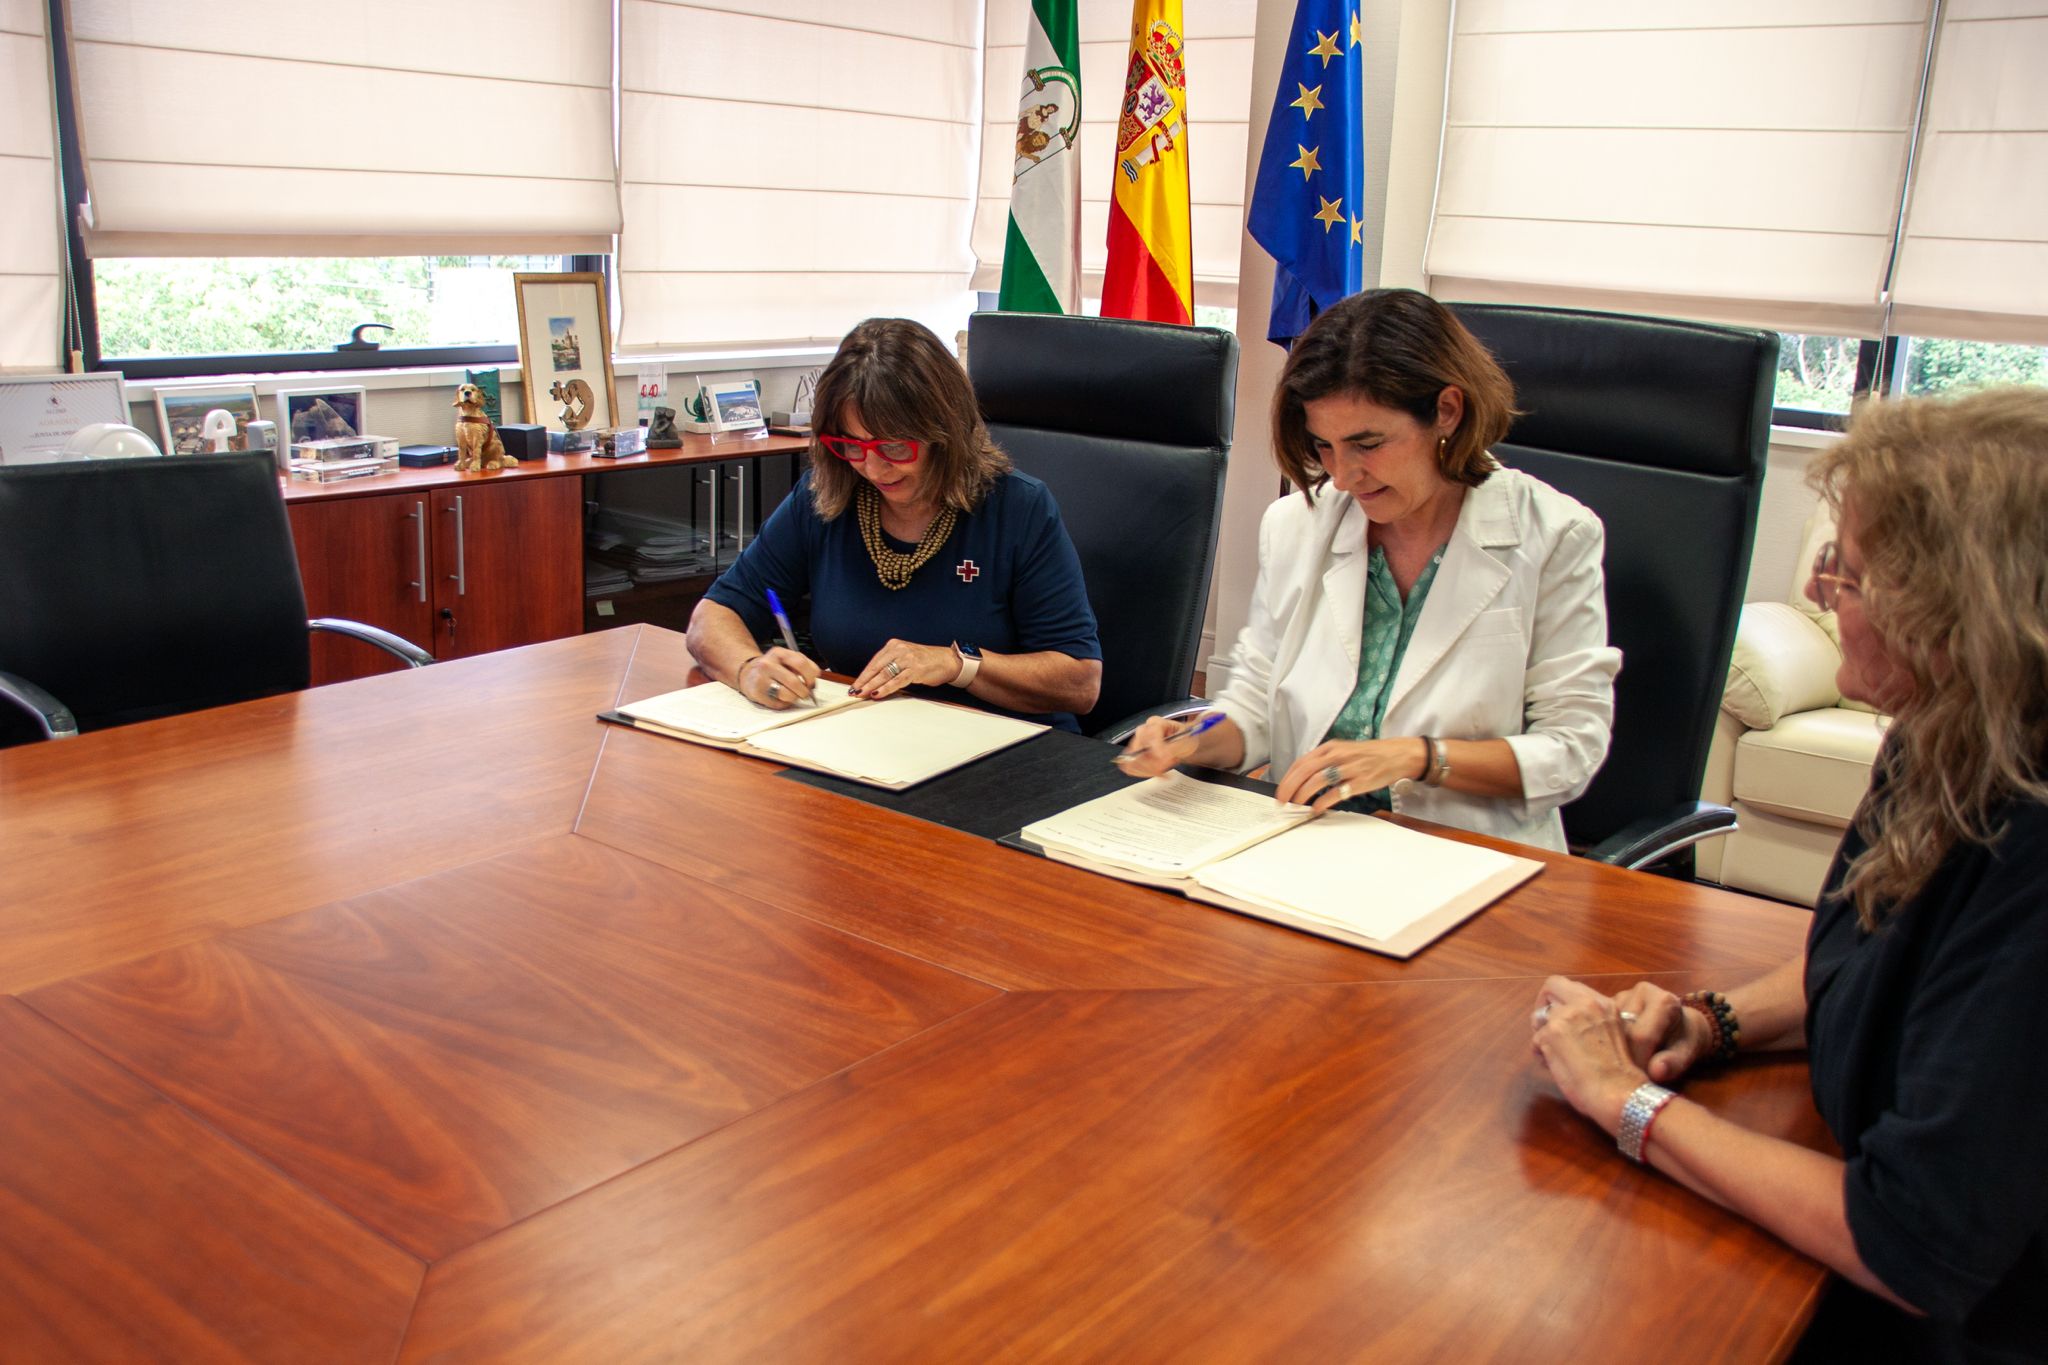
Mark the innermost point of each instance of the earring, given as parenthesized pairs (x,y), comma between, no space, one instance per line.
(1442,447)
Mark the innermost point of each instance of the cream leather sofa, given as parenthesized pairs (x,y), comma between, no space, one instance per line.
(1789,753)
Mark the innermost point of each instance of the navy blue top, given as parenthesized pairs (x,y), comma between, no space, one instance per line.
(1007,580)
(1925,1040)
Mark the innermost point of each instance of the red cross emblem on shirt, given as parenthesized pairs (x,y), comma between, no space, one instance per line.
(968,571)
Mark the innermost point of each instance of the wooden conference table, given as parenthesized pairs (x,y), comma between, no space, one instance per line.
(425,1018)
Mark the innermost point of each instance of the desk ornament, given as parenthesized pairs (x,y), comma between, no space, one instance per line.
(476,437)
(662,433)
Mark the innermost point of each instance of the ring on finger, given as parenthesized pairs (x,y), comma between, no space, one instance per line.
(1343,791)
(1542,1015)
(774,691)
(1332,775)
(1628,1016)
(892,668)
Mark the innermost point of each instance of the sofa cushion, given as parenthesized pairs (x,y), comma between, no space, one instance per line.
(1813,765)
(1783,662)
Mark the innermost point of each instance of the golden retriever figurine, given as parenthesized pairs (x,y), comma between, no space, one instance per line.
(476,440)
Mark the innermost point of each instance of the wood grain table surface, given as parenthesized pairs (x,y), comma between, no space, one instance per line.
(426,1018)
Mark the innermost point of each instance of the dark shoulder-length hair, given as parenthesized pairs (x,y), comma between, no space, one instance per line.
(1399,348)
(898,380)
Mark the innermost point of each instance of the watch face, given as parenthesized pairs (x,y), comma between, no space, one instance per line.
(967,650)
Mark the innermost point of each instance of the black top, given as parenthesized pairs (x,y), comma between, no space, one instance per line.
(1929,1049)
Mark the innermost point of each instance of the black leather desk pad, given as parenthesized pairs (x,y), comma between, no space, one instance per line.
(996,796)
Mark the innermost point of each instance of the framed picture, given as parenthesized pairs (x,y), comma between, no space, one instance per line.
(734,403)
(565,351)
(181,412)
(39,413)
(318,415)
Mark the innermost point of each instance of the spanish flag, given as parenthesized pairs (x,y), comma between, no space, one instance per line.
(1151,271)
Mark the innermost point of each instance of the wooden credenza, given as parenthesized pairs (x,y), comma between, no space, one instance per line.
(462,563)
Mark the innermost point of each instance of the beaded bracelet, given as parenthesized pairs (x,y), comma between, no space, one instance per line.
(1721,1022)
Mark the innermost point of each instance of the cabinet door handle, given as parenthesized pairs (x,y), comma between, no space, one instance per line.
(461,574)
(740,529)
(419,520)
(711,483)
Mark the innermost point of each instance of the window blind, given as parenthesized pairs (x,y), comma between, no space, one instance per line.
(794,166)
(346,127)
(31,255)
(1739,161)
(1219,62)
(1974,259)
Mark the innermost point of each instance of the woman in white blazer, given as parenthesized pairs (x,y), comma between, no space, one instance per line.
(1429,630)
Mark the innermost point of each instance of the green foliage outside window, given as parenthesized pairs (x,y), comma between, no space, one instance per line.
(171,307)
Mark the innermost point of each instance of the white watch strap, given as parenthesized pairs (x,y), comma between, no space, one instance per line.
(969,666)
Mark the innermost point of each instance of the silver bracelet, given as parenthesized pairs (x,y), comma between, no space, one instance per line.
(1644,1104)
(1439,766)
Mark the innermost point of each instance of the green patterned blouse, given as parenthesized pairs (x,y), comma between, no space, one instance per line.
(1389,622)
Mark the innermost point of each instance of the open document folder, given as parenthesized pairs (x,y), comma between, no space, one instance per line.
(894,744)
(1354,878)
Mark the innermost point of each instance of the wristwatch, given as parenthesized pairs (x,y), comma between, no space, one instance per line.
(970,663)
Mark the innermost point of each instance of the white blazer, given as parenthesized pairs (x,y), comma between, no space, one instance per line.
(1512,643)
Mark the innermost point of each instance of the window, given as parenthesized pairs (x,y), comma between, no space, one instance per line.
(159,307)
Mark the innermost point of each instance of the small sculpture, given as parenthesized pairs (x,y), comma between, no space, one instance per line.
(578,402)
(662,433)
(476,438)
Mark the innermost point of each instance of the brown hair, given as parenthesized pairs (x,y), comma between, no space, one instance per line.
(1401,349)
(1949,501)
(898,380)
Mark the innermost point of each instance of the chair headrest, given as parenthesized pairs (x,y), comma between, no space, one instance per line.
(1109,377)
(1648,391)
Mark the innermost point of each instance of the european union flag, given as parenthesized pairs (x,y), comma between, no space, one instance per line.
(1308,199)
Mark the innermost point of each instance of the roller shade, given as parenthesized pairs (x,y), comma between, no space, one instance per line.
(1974,260)
(346,127)
(1732,161)
(31,253)
(794,166)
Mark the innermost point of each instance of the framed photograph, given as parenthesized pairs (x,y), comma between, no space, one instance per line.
(733,403)
(565,351)
(319,415)
(40,413)
(181,412)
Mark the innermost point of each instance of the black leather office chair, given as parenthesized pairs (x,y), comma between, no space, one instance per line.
(1129,424)
(1662,428)
(131,589)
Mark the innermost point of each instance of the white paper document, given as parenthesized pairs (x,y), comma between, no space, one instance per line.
(1169,825)
(1358,873)
(717,712)
(894,743)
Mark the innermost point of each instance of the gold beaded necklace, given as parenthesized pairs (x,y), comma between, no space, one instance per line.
(894,567)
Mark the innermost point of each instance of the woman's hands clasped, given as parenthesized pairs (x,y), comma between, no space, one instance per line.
(1599,1048)
(900,664)
(778,679)
(1338,769)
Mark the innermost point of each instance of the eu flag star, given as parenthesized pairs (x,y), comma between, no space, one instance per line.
(1330,214)
(1357,29)
(1310,101)
(1357,231)
(1326,48)
(1306,163)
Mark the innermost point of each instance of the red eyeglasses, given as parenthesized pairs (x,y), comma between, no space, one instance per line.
(853,449)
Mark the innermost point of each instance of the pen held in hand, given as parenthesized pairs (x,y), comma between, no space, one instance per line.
(788,634)
(1208,721)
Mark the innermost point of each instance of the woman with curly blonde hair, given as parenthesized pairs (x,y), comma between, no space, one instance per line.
(1922,997)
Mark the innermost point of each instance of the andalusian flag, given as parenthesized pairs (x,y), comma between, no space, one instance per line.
(1042,257)
(1151,269)
(1308,198)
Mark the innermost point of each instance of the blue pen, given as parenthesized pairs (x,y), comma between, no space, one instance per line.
(1209,721)
(788,634)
